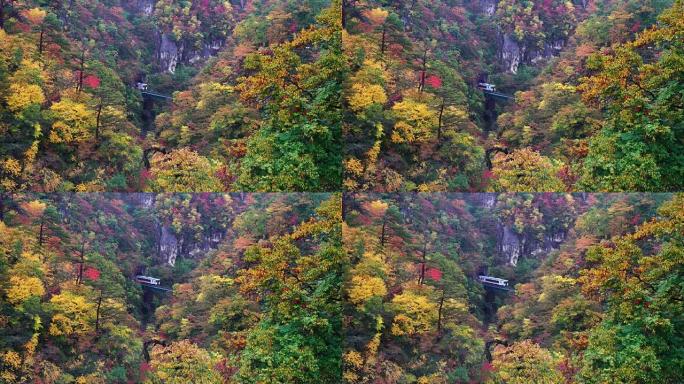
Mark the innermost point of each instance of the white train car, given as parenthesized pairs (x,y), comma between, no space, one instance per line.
(493,280)
(487,87)
(147,280)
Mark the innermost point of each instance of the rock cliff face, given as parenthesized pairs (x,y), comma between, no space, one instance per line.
(511,244)
(169,52)
(512,53)
(171,247)
(488,7)
(167,245)
(514,246)
(488,200)
(142,7)
(146,200)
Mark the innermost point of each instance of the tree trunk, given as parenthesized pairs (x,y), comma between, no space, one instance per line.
(439,125)
(79,280)
(2,13)
(40,235)
(97,314)
(97,121)
(344,14)
(423,71)
(42,39)
(421,279)
(439,312)
(79,87)
(382,234)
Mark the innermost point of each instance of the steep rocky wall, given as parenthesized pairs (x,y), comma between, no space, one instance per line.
(169,52)
(168,245)
(488,200)
(512,53)
(171,247)
(488,7)
(141,7)
(513,246)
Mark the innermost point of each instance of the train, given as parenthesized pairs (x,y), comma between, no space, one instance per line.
(147,280)
(493,280)
(487,87)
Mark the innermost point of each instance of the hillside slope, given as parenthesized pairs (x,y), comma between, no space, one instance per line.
(583,95)
(591,289)
(74,310)
(133,95)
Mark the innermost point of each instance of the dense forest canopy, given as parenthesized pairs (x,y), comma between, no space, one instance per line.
(254,297)
(594,291)
(534,95)
(450,151)
(164,96)
(321,288)
(361,95)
